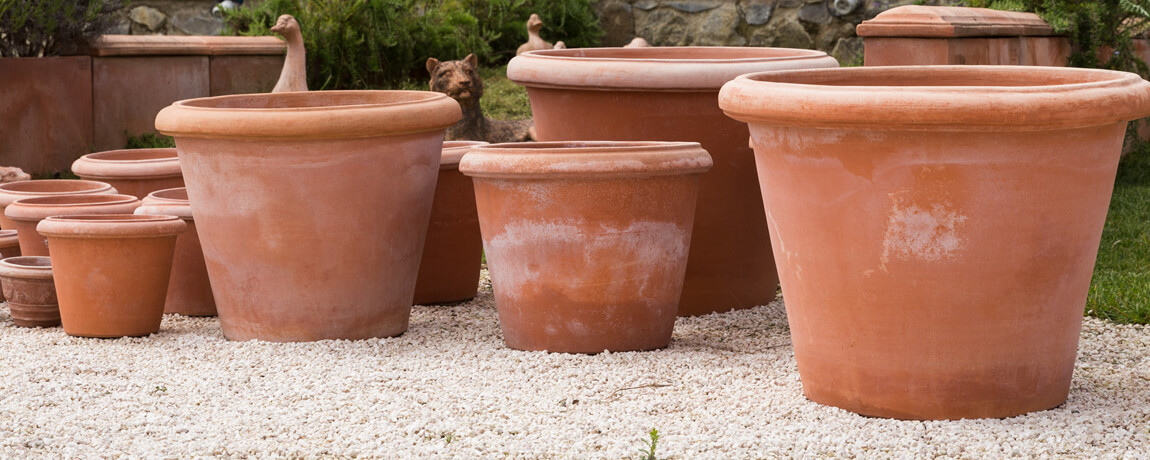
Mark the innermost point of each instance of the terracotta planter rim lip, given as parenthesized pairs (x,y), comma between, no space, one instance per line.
(36,208)
(23,267)
(585,159)
(105,165)
(453,151)
(158,196)
(11,191)
(160,204)
(111,226)
(1055,100)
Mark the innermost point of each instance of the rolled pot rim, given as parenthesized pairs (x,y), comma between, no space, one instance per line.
(22,267)
(160,203)
(111,226)
(938,97)
(13,191)
(39,207)
(309,115)
(159,163)
(453,151)
(162,196)
(664,68)
(585,159)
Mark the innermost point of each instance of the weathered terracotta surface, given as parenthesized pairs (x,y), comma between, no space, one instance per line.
(133,256)
(135,172)
(31,295)
(936,228)
(47,122)
(586,242)
(27,213)
(13,191)
(293,76)
(243,74)
(189,289)
(453,251)
(670,94)
(282,240)
(9,247)
(128,92)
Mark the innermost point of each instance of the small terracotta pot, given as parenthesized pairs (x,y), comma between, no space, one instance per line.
(13,191)
(189,290)
(135,172)
(111,271)
(9,247)
(453,252)
(936,227)
(27,283)
(586,242)
(26,213)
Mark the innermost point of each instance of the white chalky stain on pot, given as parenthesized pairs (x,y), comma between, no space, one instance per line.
(913,232)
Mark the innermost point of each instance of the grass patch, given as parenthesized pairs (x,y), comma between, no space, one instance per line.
(1120,289)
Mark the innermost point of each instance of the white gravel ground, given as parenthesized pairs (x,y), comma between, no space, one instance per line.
(726,388)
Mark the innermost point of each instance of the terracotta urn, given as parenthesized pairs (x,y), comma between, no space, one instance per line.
(306,173)
(671,94)
(111,271)
(189,290)
(936,226)
(135,172)
(27,284)
(453,252)
(26,213)
(13,191)
(586,242)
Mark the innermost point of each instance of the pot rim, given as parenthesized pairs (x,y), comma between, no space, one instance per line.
(453,151)
(585,159)
(36,208)
(663,68)
(938,97)
(309,115)
(13,191)
(111,226)
(112,164)
(27,267)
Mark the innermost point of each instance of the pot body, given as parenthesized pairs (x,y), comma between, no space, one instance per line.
(26,213)
(13,191)
(671,94)
(453,253)
(189,289)
(936,243)
(586,243)
(27,284)
(135,172)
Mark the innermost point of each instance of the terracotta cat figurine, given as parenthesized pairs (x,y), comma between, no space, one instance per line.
(460,80)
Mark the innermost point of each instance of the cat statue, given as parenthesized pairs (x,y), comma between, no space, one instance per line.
(460,80)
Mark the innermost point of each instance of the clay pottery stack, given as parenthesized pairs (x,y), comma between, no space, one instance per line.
(936,227)
(586,242)
(453,252)
(13,191)
(27,284)
(311,207)
(189,290)
(135,172)
(26,213)
(111,271)
(671,94)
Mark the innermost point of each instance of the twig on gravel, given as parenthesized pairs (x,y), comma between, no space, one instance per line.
(649,385)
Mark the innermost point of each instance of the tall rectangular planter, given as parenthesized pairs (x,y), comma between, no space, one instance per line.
(45,112)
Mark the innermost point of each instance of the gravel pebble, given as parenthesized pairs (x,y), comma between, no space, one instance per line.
(727,387)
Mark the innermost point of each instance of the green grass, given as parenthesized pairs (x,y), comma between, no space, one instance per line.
(1120,290)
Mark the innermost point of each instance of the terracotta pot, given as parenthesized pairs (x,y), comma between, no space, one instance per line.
(26,213)
(135,172)
(13,191)
(27,284)
(586,242)
(670,94)
(453,252)
(936,227)
(189,290)
(9,247)
(111,271)
(271,175)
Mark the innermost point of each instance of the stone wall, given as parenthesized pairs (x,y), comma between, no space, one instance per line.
(169,17)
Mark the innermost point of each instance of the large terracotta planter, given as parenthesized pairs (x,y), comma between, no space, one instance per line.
(671,94)
(135,172)
(453,252)
(189,290)
(26,213)
(111,271)
(13,191)
(311,208)
(586,242)
(27,284)
(936,227)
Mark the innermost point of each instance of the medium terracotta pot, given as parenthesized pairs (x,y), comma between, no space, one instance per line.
(586,242)
(283,186)
(453,252)
(135,172)
(189,290)
(111,271)
(26,213)
(27,284)
(936,227)
(671,94)
(13,191)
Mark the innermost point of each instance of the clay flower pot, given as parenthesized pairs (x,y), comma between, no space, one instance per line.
(13,191)
(284,186)
(453,252)
(189,290)
(671,94)
(135,172)
(936,227)
(586,242)
(9,247)
(111,271)
(27,283)
(26,213)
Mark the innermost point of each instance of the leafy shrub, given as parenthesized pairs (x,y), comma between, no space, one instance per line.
(38,28)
